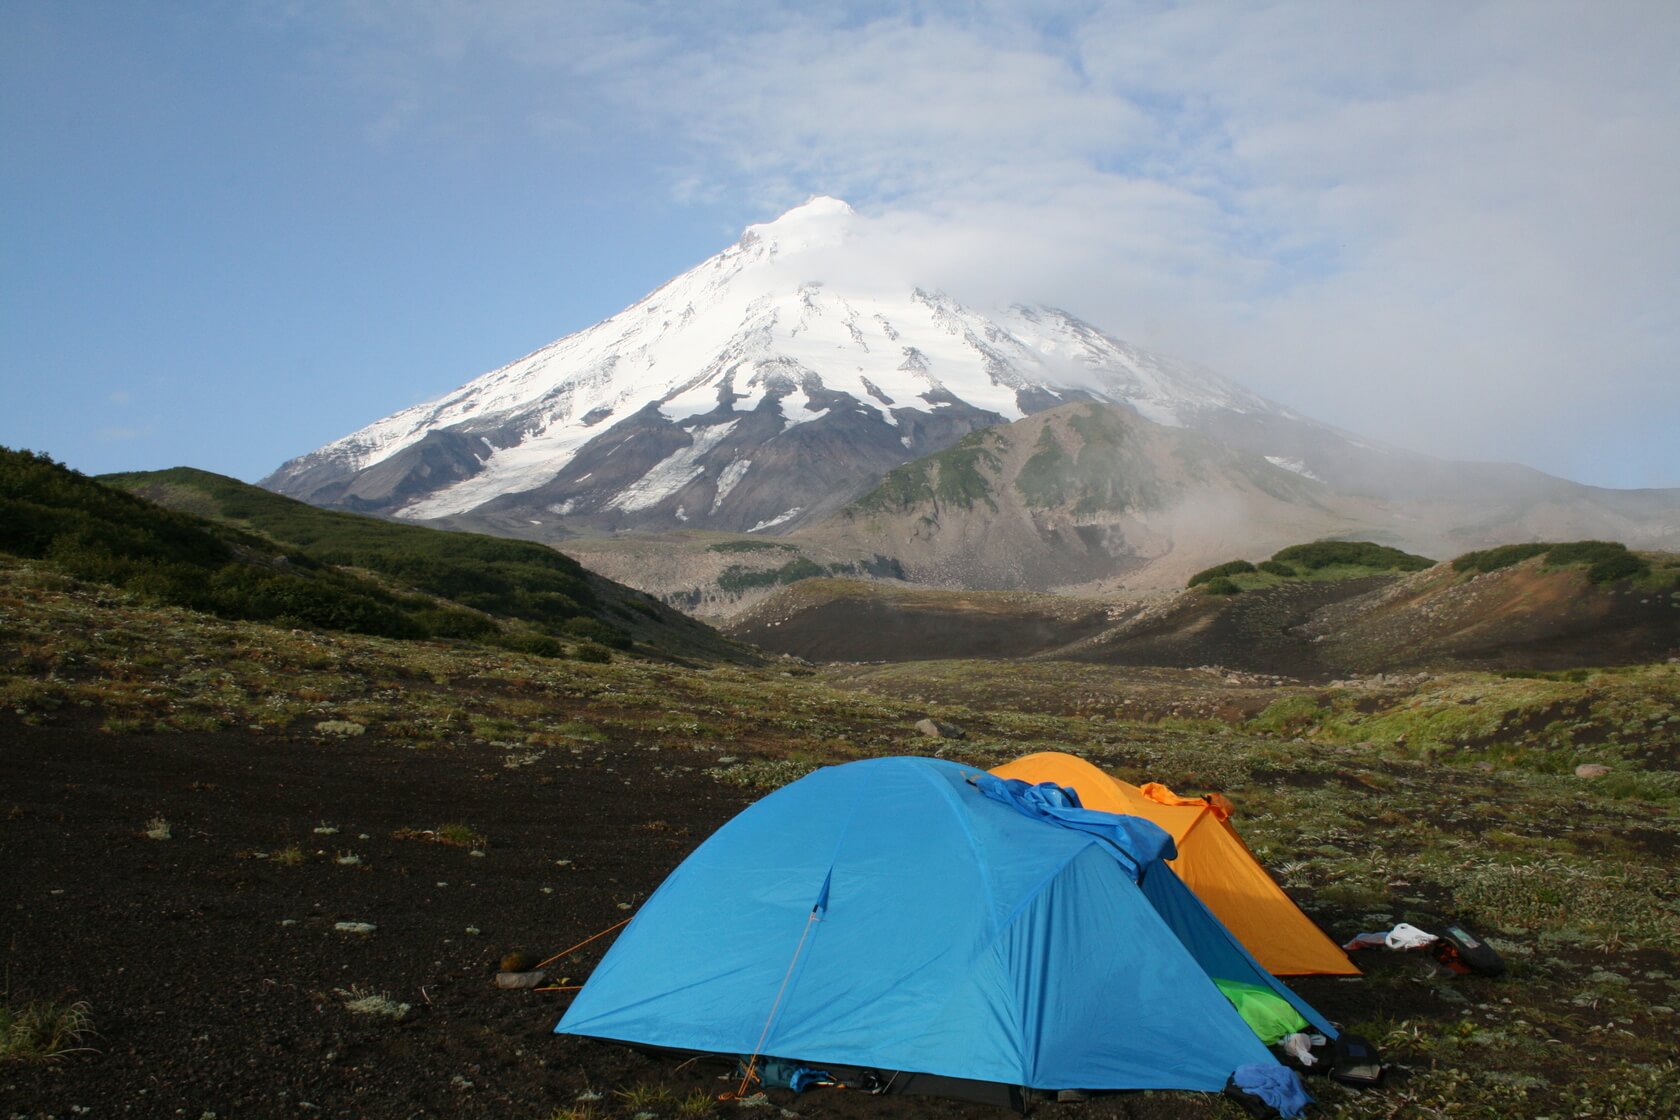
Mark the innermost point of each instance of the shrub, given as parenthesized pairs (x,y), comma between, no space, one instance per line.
(735,578)
(1613,568)
(1493,559)
(1229,568)
(1277,568)
(750,546)
(597,631)
(596,654)
(1584,552)
(1221,585)
(1361,554)
(537,645)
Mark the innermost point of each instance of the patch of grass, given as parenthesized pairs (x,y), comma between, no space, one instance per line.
(290,856)
(697,1103)
(1288,716)
(461,836)
(361,1001)
(575,1112)
(449,835)
(44,1031)
(643,1097)
(1612,902)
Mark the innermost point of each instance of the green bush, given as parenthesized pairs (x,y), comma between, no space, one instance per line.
(1229,568)
(590,651)
(1276,568)
(1493,559)
(1607,561)
(736,579)
(750,546)
(537,645)
(1221,585)
(1585,552)
(1613,568)
(597,631)
(1361,554)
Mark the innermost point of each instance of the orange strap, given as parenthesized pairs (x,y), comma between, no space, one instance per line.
(579,945)
(1161,795)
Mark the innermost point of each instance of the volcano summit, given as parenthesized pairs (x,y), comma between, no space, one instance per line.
(744,395)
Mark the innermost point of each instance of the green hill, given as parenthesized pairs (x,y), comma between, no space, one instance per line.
(210,543)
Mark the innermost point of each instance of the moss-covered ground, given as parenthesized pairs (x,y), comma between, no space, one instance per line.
(1372,801)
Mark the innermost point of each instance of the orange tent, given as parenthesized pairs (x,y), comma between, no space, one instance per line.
(1212,860)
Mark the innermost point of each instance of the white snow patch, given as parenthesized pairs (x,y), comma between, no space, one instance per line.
(778,519)
(1295,465)
(795,413)
(693,401)
(671,473)
(731,475)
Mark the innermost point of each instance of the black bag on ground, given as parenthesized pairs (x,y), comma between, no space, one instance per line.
(1463,951)
(1252,1103)
(1354,1061)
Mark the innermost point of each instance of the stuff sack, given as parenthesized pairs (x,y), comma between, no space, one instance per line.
(778,1073)
(1463,951)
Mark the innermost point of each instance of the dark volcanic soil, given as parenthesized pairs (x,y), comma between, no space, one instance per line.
(217,982)
(886,630)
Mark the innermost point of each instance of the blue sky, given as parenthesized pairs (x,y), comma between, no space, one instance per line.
(230,233)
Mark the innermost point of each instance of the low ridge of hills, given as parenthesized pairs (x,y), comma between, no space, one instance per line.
(195,539)
(1534,607)
(206,542)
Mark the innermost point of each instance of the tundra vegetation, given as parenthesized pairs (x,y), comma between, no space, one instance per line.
(1372,800)
(1320,560)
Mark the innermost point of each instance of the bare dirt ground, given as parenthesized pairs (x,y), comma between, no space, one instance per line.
(218,982)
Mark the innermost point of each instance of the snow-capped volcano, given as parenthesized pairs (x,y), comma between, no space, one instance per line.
(746,394)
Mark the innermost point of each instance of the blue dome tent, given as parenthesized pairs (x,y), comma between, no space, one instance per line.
(912,915)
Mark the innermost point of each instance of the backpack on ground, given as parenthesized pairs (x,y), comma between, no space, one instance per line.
(1463,951)
(1354,1061)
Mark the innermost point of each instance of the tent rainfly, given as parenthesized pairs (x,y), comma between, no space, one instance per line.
(944,930)
(1212,860)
